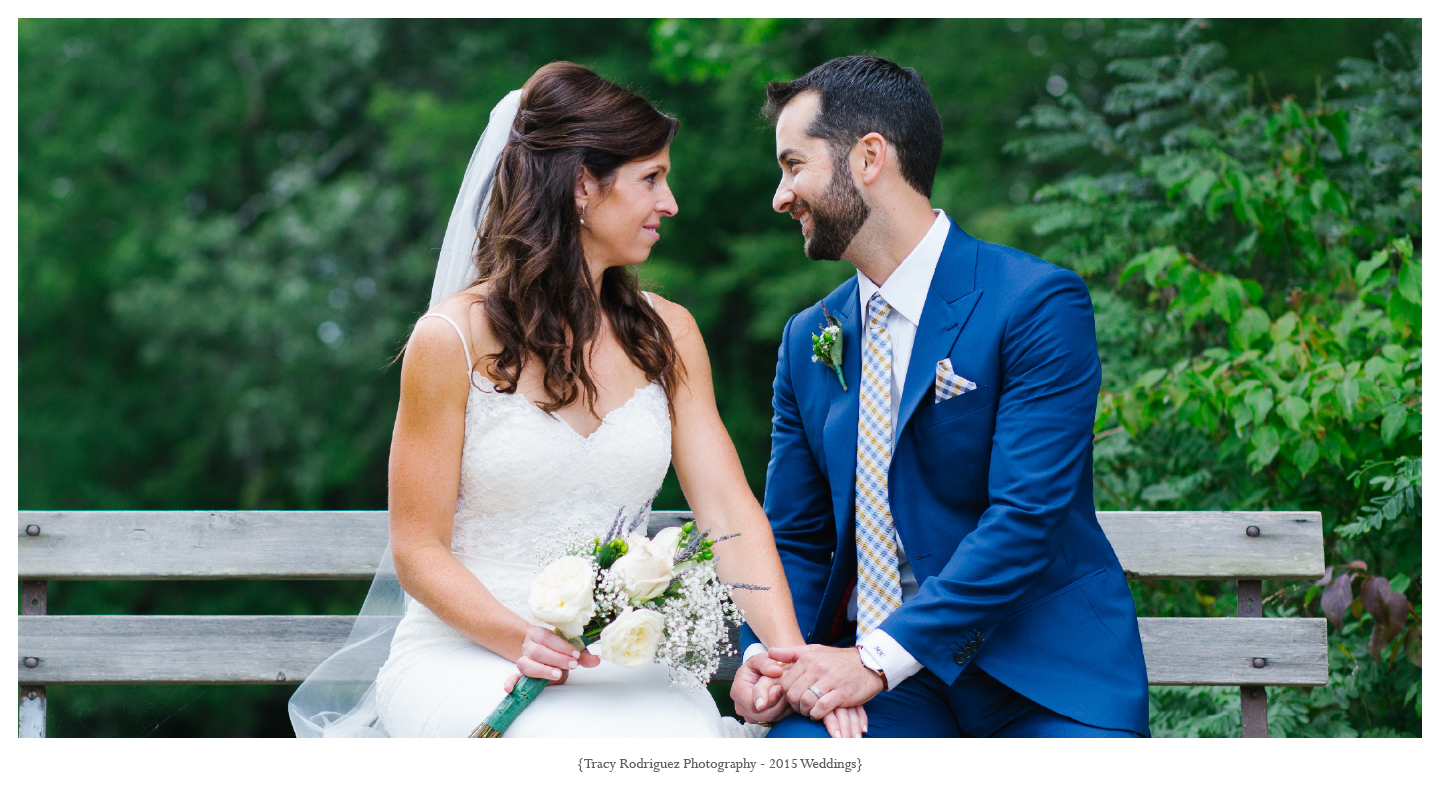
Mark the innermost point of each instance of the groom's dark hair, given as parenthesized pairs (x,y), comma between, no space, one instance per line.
(860,94)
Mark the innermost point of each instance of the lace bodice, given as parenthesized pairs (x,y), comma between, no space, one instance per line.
(527,478)
(528,481)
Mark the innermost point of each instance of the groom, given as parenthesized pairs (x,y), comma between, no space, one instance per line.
(934,515)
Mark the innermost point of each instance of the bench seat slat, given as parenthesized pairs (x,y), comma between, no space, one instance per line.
(341,545)
(1221,651)
(274,649)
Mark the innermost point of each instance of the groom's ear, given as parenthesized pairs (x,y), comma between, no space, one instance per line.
(870,156)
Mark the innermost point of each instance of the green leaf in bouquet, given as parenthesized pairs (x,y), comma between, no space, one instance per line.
(610,552)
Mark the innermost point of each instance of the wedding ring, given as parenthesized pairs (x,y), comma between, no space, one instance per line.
(816,691)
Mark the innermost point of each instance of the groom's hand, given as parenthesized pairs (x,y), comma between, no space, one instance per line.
(837,673)
(756,690)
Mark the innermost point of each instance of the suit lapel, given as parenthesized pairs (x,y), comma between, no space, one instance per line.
(951,299)
(843,416)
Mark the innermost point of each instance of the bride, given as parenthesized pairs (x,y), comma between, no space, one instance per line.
(543,392)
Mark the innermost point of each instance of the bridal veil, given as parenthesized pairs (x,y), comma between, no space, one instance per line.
(337,699)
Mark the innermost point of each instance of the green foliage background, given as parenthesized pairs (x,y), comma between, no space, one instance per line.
(228,227)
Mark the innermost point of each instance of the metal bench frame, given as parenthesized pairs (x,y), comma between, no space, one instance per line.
(1245,650)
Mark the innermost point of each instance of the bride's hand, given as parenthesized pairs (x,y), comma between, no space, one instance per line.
(847,721)
(545,655)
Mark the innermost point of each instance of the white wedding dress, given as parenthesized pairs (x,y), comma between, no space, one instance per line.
(526,480)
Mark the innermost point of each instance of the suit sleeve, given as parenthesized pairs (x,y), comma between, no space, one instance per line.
(1050,378)
(797,500)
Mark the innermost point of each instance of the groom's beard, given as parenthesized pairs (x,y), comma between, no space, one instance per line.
(837,217)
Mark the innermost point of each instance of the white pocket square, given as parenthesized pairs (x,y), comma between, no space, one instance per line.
(948,384)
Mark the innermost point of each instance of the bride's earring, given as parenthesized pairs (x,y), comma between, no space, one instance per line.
(582,215)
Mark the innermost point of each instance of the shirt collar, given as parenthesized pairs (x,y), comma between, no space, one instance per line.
(908,286)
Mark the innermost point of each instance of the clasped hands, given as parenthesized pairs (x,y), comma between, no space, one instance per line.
(771,685)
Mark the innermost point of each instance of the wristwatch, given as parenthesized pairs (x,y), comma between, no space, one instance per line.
(868,660)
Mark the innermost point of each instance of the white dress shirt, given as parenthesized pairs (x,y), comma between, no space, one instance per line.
(905,290)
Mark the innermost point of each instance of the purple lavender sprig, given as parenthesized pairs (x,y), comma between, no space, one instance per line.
(613,545)
(641,517)
(617,528)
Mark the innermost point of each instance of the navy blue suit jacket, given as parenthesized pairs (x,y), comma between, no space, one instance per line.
(990,490)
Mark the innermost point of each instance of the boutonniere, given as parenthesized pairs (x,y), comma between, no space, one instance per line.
(828,346)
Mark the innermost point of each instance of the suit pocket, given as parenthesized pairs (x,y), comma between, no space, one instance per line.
(1065,589)
(956,406)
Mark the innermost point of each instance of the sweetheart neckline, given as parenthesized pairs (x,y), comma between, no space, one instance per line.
(605,421)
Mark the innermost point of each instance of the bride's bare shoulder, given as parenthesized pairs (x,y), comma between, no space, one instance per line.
(685,334)
(434,342)
(466,309)
(677,319)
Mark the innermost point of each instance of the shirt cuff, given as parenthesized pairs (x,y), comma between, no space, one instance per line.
(751,651)
(887,653)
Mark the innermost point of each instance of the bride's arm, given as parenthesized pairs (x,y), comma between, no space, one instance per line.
(424,482)
(714,485)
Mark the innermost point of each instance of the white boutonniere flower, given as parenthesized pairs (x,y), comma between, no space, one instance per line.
(829,347)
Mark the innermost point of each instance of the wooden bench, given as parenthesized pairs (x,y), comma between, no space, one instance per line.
(1248,547)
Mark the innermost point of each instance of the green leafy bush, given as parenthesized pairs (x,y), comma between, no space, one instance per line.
(1270,251)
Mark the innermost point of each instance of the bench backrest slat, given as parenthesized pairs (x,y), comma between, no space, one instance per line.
(346,545)
(285,649)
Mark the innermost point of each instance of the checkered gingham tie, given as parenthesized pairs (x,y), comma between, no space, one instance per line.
(878,575)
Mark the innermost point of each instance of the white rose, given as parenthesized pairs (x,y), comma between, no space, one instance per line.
(563,595)
(647,568)
(668,542)
(631,640)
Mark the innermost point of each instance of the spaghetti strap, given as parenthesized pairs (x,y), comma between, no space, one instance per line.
(651,299)
(469,366)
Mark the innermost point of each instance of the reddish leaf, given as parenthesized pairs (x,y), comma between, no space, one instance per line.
(1358,565)
(1398,609)
(1325,581)
(1336,598)
(1389,608)
(1412,645)
(1378,640)
(1372,596)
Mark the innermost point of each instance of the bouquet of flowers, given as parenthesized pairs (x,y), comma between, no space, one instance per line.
(644,600)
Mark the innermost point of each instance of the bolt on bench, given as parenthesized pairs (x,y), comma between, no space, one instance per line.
(1244,650)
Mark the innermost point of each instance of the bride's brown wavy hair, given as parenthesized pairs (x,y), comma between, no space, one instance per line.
(541,300)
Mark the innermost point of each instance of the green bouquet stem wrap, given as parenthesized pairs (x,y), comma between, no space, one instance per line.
(520,697)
